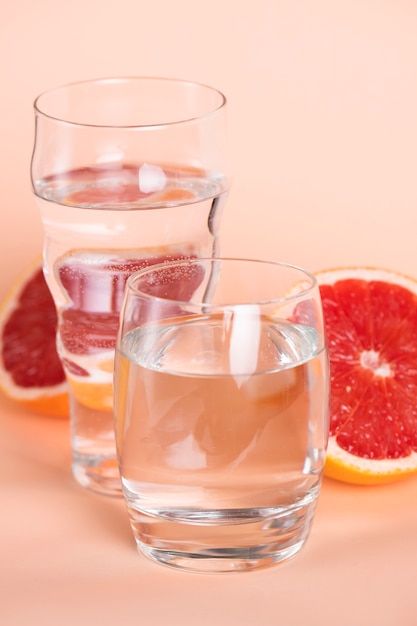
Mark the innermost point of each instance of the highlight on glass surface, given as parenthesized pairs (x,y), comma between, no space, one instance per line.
(221,405)
(127,172)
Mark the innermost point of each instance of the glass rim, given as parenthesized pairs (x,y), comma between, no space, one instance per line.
(292,295)
(126,79)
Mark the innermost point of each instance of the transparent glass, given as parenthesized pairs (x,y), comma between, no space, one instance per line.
(221,404)
(127,172)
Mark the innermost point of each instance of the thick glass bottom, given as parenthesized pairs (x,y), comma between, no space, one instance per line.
(97,473)
(94,461)
(252,539)
(232,560)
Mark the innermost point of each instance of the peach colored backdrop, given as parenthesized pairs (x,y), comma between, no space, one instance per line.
(323,138)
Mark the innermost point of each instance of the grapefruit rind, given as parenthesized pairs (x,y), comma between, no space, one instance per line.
(96,390)
(329,277)
(96,396)
(45,400)
(340,464)
(343,466)
(50,401)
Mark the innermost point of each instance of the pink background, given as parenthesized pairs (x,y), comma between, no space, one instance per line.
(323,134)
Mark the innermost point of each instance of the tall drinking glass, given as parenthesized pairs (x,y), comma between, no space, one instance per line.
(221,402)
(127,172)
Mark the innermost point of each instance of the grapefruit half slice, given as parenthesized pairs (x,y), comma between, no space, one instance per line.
(30,370)
(370,317)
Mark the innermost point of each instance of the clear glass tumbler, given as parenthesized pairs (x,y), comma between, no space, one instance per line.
(221,403)
(127,172)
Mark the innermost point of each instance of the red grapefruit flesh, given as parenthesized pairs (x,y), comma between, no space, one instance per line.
(30,370)
(371,324)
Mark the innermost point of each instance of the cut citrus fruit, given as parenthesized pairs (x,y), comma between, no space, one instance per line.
(30,370)
(174,195)
(95,394)
(370,317)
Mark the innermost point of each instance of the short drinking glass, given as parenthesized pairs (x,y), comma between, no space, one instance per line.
(127,172)
(221,405)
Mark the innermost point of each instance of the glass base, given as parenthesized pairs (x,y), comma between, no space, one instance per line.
(240,541)
(99,474)
(226,561)
(94,461)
